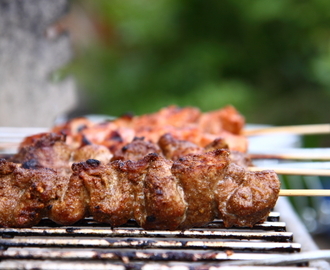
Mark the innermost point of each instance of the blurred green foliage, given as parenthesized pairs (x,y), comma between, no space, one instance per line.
(270,59)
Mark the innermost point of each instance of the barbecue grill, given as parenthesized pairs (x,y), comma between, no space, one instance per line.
(282,242)
(91,245)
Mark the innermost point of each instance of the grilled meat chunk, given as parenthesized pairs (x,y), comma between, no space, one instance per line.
(136,150)
(246,198)
(46,151)
(110,193)
(114,193)
(49,150)
(71,206)
(173,148)
(227,119)
(237,157)
(91,151)
(25,194)
(159,198)
(198,176)
(240,159)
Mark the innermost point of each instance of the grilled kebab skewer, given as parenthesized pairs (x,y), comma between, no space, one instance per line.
(157,192)
(187,123)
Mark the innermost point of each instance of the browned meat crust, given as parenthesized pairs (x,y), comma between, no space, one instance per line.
(136,150)
(163,204)
(71,205)
(50,150)
(46,151)
(245,198)
(110,193)
(25,194)
(198,176)
(227,119)
(91,151)
(158,193)
(145,191)
(173,148)
(187,123)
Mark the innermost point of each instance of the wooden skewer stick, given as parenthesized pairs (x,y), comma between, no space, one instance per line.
(8,145)
(298,129)
(305,192)
(292,171)
(4,131)
(290,156)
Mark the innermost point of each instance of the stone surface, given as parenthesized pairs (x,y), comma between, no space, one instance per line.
(29,55)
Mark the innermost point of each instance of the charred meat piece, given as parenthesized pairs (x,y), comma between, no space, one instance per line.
(109,134)
(198,176)
(72,205)
(136,150)
(92,151)
(218,143)
(246,198)
(49,150)
(240,159)
(25,194)
(46,151)
(72,129)
(110,193)
(114,193)
(173,148)
(159,199)
(237,157)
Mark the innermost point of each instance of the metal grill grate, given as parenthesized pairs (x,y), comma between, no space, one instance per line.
(92,245)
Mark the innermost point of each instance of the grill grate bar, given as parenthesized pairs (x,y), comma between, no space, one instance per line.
(132,255)
(266,226)
(44,265)
(273,216)
(194,233)
(109,243)
(216,224)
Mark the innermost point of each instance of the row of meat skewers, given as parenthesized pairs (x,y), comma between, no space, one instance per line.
(169,170)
